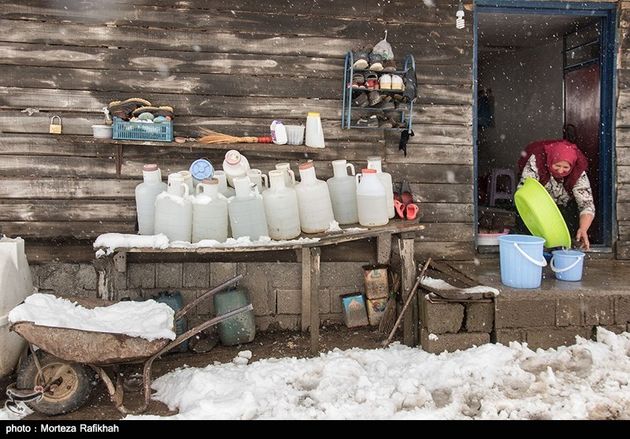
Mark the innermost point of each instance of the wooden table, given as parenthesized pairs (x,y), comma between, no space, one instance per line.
(403,231)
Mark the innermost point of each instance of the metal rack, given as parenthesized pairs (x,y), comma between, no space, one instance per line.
(349,94)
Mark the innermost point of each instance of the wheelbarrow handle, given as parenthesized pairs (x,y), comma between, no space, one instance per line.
(206,295)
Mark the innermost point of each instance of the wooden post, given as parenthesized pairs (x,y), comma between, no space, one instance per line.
(315,254)
(407,277)
(383,248)
(104,267)
(305,319)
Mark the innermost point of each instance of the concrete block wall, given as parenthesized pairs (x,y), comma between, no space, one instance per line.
(274,288)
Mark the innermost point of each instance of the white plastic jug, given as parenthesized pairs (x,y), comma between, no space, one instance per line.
(210,212)
(16,284)
(288,174)
(188,180)
(281,208)
(278,133)
(259,179)
(371,199)
(224,189)
(246,211)
(314,131)
(173,210)
(315,208)
(386,180)
(235,165)
(343,192)
(146,193)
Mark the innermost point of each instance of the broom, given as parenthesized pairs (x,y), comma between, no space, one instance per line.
(389,314)
(212,137)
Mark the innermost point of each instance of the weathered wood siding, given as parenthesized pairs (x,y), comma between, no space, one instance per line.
(230,66)
(623,133)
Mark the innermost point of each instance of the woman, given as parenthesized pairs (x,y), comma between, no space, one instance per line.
(561,168)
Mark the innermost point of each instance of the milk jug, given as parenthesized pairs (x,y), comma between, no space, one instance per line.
(173,210)
(281,208)
(314,131)
(343,193)
(259,179)
(315,207)
(371,199)
(188,180)
(210,212)
(288,174)
(246,211)
(224,189)
(146,193)
(386,181)
(235,165)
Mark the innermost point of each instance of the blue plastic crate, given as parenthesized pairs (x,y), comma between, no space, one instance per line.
(161,132)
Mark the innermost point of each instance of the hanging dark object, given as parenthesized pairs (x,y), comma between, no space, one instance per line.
(404,138)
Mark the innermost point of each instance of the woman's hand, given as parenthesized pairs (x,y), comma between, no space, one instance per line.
(582,236)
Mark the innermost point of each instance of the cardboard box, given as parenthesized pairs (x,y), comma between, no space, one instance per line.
(354,313)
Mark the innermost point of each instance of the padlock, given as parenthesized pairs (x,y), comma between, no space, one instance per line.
(55,128)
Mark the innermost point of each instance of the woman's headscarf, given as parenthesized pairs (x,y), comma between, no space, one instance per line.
(548,152)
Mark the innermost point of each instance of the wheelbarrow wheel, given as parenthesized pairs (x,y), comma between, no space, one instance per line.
(69,389)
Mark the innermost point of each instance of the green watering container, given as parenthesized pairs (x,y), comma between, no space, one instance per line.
(240,328)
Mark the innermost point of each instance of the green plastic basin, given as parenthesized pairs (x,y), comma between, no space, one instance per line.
(541,215)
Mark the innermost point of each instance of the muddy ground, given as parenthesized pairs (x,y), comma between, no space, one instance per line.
(271,344)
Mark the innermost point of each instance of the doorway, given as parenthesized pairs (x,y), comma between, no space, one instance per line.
(540,68)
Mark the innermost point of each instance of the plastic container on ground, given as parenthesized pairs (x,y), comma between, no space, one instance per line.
(173,210)
(240,328)
(16,284)
(146,194)
(315,208)
(521,259)
(246,211)
(343,192)
(281,208)
(567,265)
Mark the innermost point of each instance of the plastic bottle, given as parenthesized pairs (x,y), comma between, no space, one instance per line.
(314,131)
(289,175)
(146,193)
(235,165)
(210,212)
(188,180)
(278,133)
(246,211)
(173,210)
(281,208)
(315,208)
(343,192)
(371,199)
(385,178)
(224,189)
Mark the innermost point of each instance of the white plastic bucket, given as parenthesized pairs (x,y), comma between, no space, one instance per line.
(567,264)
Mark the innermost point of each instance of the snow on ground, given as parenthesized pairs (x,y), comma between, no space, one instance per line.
(589,380)
(147,319)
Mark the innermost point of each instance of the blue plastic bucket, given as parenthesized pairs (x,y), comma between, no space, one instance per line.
(522,260)
(567,264)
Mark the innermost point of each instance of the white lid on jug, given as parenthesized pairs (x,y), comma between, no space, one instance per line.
(233,157)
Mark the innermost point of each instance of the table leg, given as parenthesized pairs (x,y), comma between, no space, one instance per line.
(408,277)
(315,254)
(305,319)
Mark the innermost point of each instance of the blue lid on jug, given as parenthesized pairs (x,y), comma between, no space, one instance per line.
(201,169)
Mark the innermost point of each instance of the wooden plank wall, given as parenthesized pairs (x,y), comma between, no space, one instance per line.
(623,133)
(230,66)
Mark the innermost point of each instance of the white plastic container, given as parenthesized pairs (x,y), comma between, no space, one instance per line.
(281,208)
(289,175)
(295,134)
(315,208)
(235,165)
(246,211)
(343,192)
(16,284)
(278,133)
(146,193)
(224,189)
(386,180)
(314,131)
(210,212)
(189,181)
(259,179)
(371,199)
(173,210)
(102,131)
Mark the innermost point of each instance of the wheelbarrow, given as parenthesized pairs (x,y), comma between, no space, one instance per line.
(55,379)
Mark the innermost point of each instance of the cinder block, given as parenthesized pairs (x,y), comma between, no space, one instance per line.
(505,336)
(436,343)
(335,301)
(286,276)
(617,329)
(60,279)
(86,277)
(288,321)
(196,275)
(140,276)
(479,317)
(263,297)
(35,270)
(221,272)
(342,273)
(331,319)
(546,338)
(523,313)
(569,311)
(289,301)
(622,310)
(264,322)
(599,310)
(119,280)
(169,275)
(441,318)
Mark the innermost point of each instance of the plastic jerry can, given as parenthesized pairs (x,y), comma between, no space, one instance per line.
(175,301)
(240,328)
